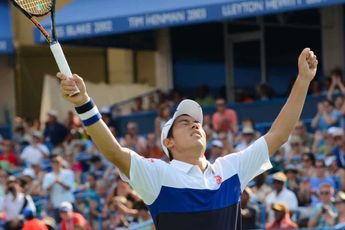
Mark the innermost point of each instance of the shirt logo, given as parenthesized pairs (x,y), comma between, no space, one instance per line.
(218,179)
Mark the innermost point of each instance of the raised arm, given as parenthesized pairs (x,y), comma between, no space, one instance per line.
(290,113)
(99,132)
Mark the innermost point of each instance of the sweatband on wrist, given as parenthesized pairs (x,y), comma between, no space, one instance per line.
(88,113)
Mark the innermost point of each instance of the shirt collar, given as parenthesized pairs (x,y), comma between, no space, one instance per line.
(186,167)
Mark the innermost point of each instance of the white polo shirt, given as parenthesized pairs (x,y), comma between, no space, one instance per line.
(180,196)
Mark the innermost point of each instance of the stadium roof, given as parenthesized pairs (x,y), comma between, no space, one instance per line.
(6,44)
(83,19)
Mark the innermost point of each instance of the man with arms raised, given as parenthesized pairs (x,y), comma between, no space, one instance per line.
(189,192)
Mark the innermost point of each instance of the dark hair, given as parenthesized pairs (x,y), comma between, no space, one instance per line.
(95,159)
(170,135)
(311,157)
(337,72)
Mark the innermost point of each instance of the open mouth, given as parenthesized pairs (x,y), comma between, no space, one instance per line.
(196,132)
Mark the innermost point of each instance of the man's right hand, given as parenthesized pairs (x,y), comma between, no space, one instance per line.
(68,86)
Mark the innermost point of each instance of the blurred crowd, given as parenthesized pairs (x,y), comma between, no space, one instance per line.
(52,176)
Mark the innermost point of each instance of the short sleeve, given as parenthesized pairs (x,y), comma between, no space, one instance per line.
(249,162)
(145,176)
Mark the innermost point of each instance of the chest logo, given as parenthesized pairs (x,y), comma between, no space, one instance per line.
(218,179)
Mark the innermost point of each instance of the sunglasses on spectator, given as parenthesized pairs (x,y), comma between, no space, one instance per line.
(324,192)
(55,162)
(319,166)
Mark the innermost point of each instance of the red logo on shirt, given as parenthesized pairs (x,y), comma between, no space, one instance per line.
(219,179)
(151,160)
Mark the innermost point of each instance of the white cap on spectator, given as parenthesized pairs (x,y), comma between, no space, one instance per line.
(53,113)
(248,130)
(188,107)
(335,131)
(65,207)
(37,134)
(329,160)
(29,172)
(217,143)
(105,110)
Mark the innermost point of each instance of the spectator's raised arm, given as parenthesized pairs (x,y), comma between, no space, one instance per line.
(290,113)
(93,123)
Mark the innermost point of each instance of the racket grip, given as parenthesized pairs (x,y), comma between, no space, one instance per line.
(62,62)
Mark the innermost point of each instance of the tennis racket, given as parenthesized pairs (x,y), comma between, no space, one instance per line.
(38,8)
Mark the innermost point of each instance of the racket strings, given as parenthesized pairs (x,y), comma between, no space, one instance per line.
(35,7)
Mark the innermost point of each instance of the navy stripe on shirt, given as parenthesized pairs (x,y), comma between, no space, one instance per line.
(187,200)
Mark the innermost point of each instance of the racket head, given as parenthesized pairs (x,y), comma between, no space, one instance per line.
(35,7)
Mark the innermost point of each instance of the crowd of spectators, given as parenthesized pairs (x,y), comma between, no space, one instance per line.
(53,175)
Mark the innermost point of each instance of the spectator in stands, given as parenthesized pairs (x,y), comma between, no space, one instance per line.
(327,116)
(282,218)
(98,202)
(224,119)
(70,219)
(75,166)
(261,189)
(137,142)
(227,143)
(59,184)
(33,186)
(216,150)
(339,203)
(49,222)
(321,176)
(36,151)
(90,185)
(323,142)
(339,150)
(305,193)
(13,204)
(3,180)
(315,88)
(336,172)
(325,214)
(8,155)
(98,167)
(248,212)
(297,149)
(175,97)
(54,132)
(308,165)
(204,98)
(161,119)
(138,105)
(281,194)
(336,79)
(153,150)
(248,138)
(39,173)
(20,135)
(72,121)
(264,92)
(153,101)
(292,182)
(32,223)
(302,132)
(108,120)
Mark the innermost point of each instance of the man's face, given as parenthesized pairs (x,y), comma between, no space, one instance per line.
(325,194)
(339,140)
(188,134)
(279,215)
(220,105)
(320,169)
(278,185)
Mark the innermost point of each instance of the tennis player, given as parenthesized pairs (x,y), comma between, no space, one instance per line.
(189,192)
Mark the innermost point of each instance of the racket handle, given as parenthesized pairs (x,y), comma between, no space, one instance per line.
(62,62)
